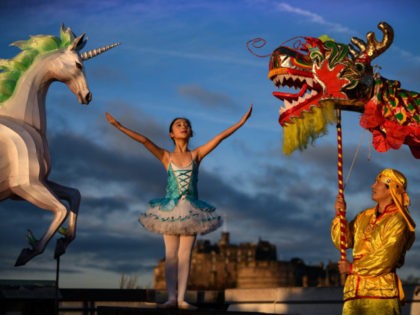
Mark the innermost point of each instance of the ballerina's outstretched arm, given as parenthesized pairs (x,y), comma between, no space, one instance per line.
(205,149)
(161,154)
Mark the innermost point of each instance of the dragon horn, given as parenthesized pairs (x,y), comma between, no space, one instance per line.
(373,48)
(94,52)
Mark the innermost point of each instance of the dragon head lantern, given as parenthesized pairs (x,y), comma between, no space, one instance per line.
(331,75)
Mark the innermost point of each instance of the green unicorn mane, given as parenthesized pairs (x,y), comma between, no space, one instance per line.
(13,69)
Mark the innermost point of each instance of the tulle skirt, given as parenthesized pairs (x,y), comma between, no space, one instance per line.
(185,218)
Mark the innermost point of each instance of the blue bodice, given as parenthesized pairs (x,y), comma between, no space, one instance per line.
(182,183)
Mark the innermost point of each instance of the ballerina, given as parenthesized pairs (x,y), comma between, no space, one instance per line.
(180,215)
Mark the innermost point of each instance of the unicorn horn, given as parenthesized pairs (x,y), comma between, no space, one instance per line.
(94,52)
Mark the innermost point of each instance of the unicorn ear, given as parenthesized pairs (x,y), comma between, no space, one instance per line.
(78,43)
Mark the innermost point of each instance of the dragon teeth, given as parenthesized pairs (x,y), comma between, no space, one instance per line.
(296,78)
(287,104)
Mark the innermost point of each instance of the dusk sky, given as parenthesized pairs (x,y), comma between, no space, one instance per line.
(189,58)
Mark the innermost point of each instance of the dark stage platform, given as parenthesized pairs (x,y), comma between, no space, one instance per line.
(103,310)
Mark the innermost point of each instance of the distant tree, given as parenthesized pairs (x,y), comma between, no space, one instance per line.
(128,282)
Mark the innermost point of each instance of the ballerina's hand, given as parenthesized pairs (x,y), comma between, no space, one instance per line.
(247,115)
(111,119)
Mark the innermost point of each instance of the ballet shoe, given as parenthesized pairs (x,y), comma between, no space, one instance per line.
(170,304)
(182,305)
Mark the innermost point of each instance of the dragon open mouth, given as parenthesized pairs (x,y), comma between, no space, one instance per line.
(294,103)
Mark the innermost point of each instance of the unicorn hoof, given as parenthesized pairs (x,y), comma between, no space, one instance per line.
(26,255)
(61,246)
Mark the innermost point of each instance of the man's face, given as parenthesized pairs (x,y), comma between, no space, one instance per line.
(380,191)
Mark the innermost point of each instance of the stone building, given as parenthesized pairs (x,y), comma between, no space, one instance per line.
(247,265)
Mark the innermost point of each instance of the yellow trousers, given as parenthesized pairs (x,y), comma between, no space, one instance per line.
(372,307)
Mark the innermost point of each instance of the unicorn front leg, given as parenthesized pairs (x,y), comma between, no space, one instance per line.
(39,195)
(72,196)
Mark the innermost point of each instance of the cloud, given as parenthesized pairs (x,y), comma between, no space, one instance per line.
(222,57)
(314,18)
(207,98)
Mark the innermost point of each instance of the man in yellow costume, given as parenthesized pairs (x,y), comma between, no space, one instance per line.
(380,237)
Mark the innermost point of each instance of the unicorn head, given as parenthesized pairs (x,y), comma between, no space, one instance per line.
(41,46)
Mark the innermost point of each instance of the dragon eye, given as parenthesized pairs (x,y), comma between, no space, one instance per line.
(79,65)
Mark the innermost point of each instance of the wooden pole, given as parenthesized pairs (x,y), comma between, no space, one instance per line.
(342,214)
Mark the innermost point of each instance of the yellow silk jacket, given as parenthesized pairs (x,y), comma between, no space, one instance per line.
(379,245)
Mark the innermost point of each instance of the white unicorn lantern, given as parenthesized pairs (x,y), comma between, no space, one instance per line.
(24,154)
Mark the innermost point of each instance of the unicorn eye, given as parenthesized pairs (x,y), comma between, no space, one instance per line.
(79,65)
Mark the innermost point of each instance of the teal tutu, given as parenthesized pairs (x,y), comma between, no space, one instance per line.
(183,216)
